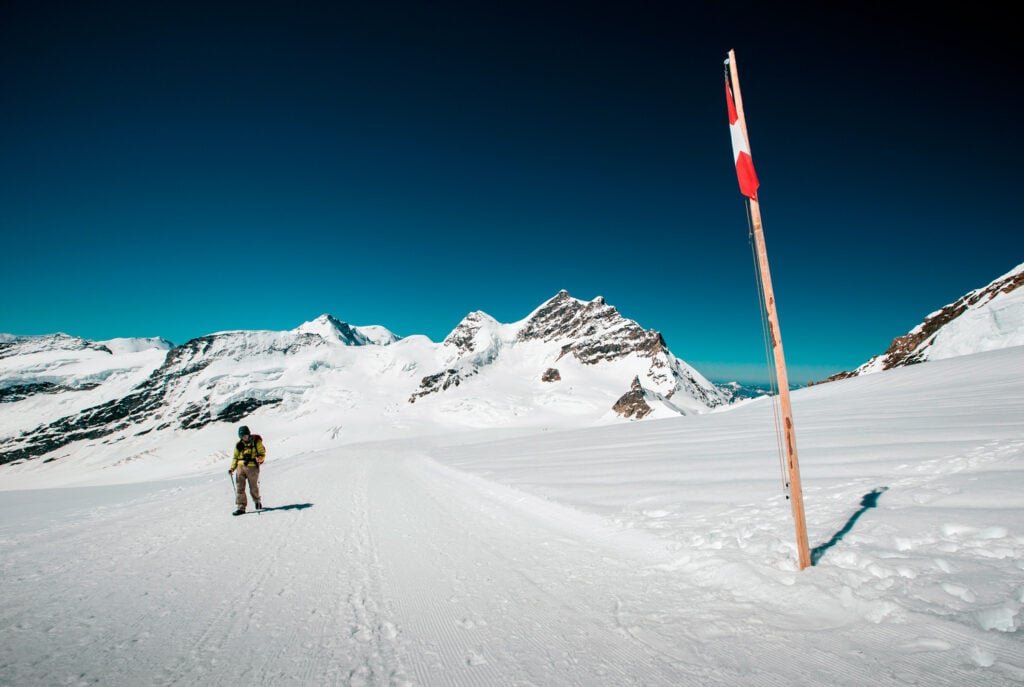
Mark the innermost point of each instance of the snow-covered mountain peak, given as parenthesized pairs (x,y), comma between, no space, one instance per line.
(331,329)
(376,334)
(594,330)
(136,345)
(572,334)
(478,331)
(566,317)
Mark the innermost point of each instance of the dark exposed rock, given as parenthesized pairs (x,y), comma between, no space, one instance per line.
(240,409)
(632,403)
(91,423)
(551,375)
(438,382)
(20,391)
(596,330)
(197,416)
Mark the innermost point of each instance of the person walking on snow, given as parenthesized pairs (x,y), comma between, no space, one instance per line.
(249,455)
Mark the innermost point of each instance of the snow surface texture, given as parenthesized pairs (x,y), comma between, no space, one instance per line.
(651,553)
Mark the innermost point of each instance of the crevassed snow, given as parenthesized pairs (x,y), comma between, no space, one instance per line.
(653,553)
(95,376)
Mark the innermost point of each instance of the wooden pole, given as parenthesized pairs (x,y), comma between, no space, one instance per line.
(792,462)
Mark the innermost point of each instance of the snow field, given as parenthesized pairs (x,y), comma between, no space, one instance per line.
(650,553)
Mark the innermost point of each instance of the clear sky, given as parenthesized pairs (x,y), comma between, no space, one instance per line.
(179,168)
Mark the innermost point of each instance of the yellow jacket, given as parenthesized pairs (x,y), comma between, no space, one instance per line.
(249,452)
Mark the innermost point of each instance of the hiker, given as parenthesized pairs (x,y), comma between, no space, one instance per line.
(249,455)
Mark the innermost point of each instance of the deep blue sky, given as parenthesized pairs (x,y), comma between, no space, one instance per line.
(177,168)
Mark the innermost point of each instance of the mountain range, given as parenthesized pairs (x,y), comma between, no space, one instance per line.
(569,363)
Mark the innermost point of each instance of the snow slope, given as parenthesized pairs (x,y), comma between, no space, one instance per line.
(984,319)
(652,553)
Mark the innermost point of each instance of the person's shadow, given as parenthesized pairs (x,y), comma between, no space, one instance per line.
(869,501)
(294,506)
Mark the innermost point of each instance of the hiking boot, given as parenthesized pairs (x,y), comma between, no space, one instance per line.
(240,511)
(259,505)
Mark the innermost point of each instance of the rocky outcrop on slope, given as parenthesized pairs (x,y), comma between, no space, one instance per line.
(551,375)
(19,392)
(917,345)
(472,345)
(632,404)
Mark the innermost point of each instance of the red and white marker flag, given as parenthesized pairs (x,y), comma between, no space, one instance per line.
(741,150)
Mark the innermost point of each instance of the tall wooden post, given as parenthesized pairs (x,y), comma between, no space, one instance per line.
(792,463)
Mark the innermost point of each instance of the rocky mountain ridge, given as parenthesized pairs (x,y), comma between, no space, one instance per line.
(328,367)
(987,318)
(590,333)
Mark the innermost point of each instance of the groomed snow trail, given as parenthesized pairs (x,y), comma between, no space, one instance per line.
(369,567)
(376,565)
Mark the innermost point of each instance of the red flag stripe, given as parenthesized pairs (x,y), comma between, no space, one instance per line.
(741,150)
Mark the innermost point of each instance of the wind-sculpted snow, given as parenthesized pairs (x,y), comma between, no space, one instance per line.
(651,553)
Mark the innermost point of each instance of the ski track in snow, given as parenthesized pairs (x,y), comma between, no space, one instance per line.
(397,593)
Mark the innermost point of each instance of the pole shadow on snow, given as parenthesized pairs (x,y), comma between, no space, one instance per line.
(869,501)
